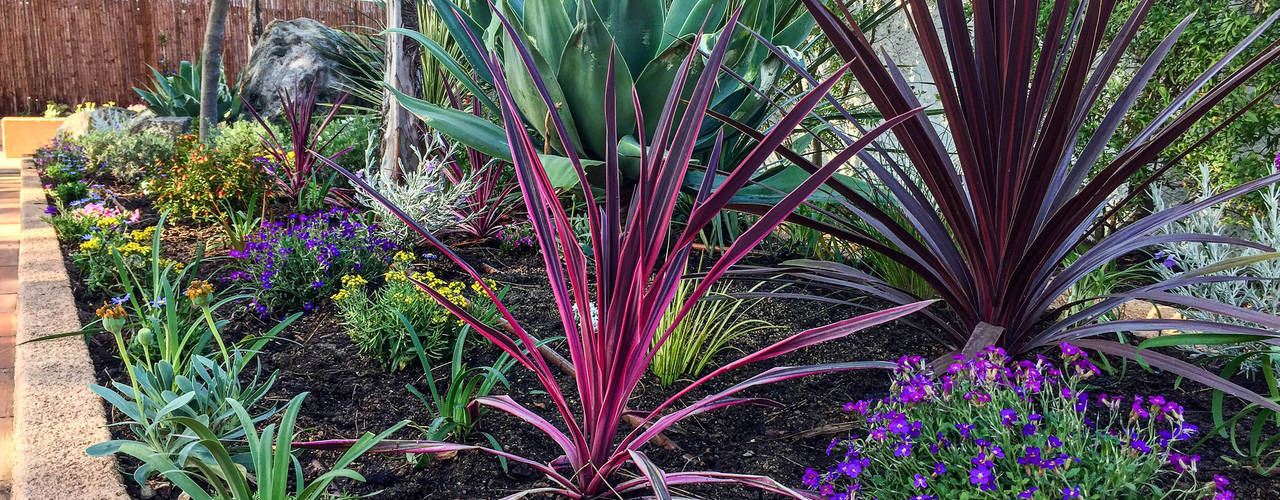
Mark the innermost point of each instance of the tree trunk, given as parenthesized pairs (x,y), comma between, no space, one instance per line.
(396,138)
(255,24)
(211,66)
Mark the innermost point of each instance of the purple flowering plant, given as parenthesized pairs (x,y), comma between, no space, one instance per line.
(288,265)
(61,160)
(517,236)
(990,427)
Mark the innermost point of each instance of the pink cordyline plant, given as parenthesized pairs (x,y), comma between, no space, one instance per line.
(639,264)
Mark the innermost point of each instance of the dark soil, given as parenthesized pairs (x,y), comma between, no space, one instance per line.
(350,395)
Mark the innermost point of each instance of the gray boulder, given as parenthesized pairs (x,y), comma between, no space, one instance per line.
(289,58)
(135,123)
(170,127)
(105,118)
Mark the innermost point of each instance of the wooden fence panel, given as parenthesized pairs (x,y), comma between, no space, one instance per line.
(71,51)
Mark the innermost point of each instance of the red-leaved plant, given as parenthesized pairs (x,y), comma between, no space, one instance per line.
(991,226)
(639,264)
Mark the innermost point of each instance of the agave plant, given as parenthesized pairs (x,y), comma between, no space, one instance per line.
(992,227)
(639,263)
(569,41)
(179,94)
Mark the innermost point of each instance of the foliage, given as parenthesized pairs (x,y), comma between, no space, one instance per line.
(705,331)
(1238,153)
(286,266)
(351,132)
(70,191)
(200,179)
(160,395)
(55,110)
(294,164)
(1260,292)
(129,156)
(569,43)
(372,317)
(1256,290)
(96,144)
(990,227)
(270,454)
(428,192)
(178,94)
(990,428)
(632,287)
(455,414)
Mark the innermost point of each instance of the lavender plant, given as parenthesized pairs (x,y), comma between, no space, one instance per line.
(428,193)
(992,428)
(288,265)
(1260,292)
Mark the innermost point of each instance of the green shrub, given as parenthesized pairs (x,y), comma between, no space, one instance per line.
(372,316)
(96,144)
(351,131)
(68,192)
(197,180)
(128,158)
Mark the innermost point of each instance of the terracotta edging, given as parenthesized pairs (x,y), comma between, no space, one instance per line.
(56,416)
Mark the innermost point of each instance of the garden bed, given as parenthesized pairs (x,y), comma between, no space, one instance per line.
(350,394)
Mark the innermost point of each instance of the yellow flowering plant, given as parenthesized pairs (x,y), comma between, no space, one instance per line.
(370,314)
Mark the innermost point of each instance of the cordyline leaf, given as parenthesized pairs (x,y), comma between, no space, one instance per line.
(990,226)
(655,475)
(1177,366)
(710,477)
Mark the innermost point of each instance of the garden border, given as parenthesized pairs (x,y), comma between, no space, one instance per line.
(56,415)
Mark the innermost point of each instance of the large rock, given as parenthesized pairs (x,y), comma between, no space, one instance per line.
(289,58)
(171,127)
(105,118)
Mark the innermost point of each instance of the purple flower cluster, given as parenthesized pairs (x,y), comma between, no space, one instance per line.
(991,421)
(516,236)
(61,154)
(290,264)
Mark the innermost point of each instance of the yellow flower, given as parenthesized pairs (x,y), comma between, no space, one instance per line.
(403,256)
(133,247)
(91,245)
(143,235)
(353,280)
(396,276)
(341,295)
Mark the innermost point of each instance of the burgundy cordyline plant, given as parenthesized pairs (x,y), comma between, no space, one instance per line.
(489,207)
(638,267)
(991,226)
(295,172)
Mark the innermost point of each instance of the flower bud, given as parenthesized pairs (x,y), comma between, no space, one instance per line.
(113,316)
(200,292)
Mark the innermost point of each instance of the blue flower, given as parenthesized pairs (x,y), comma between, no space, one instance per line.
(1068,493)
(121,300)
(980,475)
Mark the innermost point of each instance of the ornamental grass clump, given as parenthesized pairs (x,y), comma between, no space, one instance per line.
(372,315)
(993,428)
(289,265)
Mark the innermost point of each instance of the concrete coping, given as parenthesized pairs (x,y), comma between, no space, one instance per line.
(56,416)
